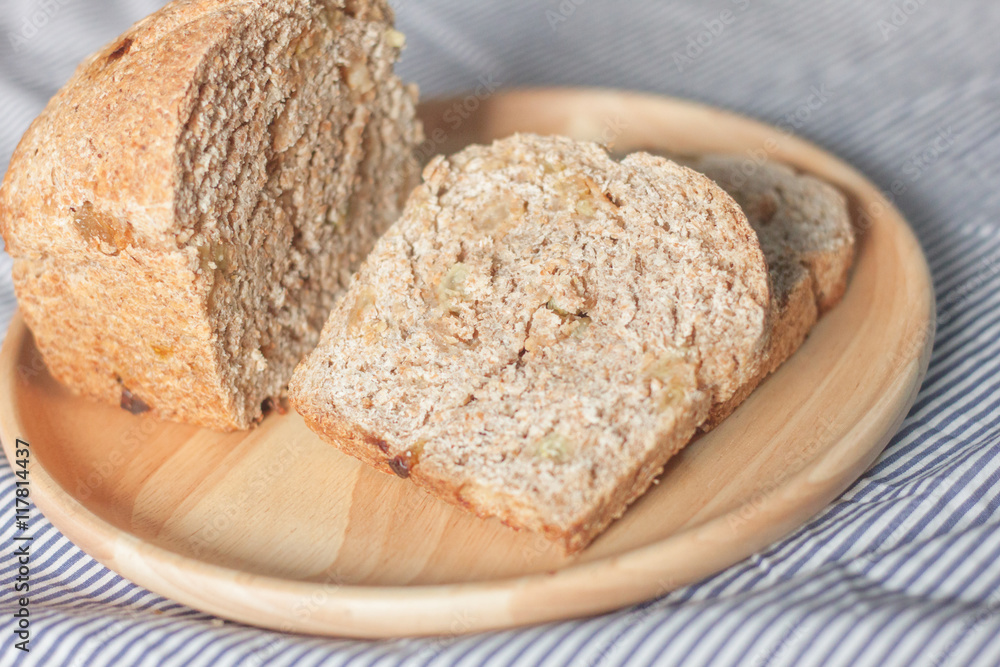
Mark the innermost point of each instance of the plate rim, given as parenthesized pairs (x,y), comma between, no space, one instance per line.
(496,603)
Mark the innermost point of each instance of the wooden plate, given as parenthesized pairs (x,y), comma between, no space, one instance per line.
(273,528)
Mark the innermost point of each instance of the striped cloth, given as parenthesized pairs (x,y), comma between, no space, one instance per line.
(904,568)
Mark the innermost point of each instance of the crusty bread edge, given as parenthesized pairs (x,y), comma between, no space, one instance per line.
(827,279)
(790,328)
(368,448)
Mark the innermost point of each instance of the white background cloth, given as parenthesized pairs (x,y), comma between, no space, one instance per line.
(905,567)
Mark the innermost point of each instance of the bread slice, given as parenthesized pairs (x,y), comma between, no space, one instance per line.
(185,210)
(805,231)
(542,329)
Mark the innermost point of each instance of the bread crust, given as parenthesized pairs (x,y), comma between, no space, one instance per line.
(373,451)
(806,234)
(100,213)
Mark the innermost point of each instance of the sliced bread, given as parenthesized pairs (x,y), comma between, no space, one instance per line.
(185,210)
(805,231)
(542,329)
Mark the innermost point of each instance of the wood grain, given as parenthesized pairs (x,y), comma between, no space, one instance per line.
(273,528)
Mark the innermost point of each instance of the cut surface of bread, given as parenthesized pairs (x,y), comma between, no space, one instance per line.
(542,329)
(185,210)
(805,231)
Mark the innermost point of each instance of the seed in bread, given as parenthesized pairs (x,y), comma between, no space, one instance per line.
(805,231)
(185,210)
(542,329)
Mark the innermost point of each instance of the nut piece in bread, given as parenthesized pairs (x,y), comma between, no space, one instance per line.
(542,329)
(185,210)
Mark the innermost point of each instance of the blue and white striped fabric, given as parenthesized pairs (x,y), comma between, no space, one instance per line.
(905,567)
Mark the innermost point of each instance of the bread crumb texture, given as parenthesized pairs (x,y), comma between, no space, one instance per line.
(803,223)
(542,329)
(185,210)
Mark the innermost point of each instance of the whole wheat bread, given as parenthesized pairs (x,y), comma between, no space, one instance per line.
(542,329)
(185,210)
(805,231)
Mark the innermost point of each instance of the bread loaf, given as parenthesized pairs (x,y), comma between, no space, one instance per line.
(542,329)
(184,211)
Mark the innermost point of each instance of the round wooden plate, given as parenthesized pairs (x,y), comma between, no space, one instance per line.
(274,528)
